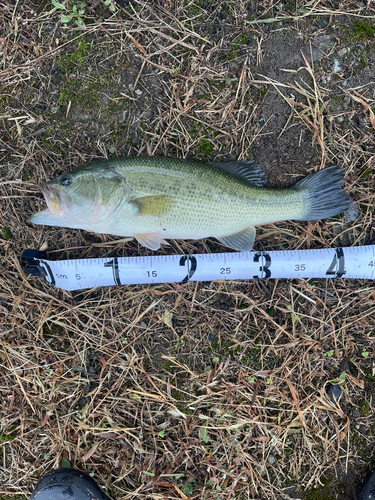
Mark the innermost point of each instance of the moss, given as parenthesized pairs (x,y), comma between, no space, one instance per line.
(358,30)
(178,396)
(321,492)
(364,408)
(82,50)
(50,131)
(252,358)
(195,10)
(11,497)
(6,438)
(167,365)
(54,331)
(87,92)
(356,439)
(7,235)
(74,59)
(233,55)
(205,147)
(244,39)
(363,30)
(29,175)
(366,174)
(182,408)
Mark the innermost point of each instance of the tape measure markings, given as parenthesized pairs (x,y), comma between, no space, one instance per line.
(352,262)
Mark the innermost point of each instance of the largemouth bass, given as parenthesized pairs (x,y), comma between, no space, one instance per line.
(154,199)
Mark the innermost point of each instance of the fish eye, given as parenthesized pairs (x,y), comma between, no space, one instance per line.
(66,181)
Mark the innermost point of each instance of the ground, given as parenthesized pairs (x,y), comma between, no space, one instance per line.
(197,390)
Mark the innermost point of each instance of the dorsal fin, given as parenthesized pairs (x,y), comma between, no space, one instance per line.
(247,171)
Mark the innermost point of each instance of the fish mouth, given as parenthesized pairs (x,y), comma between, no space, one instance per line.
(51,197)
(53,213)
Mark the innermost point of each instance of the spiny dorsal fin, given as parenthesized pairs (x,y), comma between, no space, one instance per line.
(247,171)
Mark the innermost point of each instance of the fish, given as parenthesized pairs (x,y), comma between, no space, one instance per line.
(154,199)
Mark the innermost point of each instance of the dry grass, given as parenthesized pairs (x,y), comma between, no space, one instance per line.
(201,390)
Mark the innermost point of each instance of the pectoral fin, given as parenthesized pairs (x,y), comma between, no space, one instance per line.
(150,240)
(242,241)
(151,205)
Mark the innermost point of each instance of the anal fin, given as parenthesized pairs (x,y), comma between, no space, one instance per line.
(150,240)
(242,241)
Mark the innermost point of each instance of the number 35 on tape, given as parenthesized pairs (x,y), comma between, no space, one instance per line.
(78,274)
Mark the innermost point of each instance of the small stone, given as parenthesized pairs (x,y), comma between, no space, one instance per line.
(324,42)
(146,115)
(343,51)
(321,23)
(334,393)
(336,66)
(359,46)
(352,214)
(271,459)
(339,119)
(138,92)
(211,337)
(41,106)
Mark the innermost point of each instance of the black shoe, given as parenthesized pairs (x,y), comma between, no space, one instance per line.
(368,492)
(67,484)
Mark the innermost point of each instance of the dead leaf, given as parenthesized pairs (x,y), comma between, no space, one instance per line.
(90,453)
(359,383)
(296,402)
(167,318)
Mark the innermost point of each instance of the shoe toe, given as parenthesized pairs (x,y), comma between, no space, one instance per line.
(67,484)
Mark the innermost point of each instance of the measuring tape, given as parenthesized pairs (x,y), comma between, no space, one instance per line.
(353,262)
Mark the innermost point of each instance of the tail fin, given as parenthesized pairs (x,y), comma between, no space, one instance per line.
(323,194)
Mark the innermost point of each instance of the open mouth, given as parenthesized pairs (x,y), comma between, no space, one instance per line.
(52,199)
(45,191)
